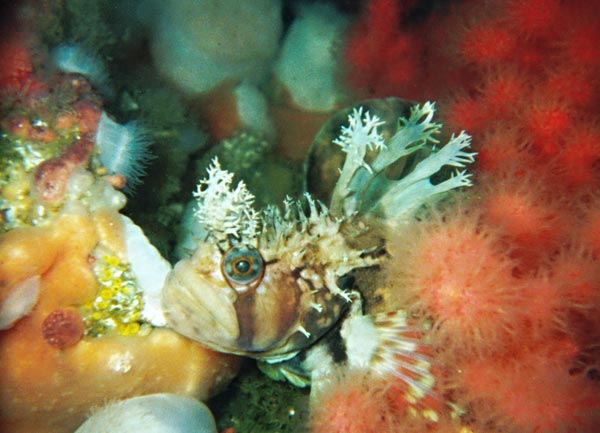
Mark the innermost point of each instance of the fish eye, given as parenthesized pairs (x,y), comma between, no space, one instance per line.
(243,267)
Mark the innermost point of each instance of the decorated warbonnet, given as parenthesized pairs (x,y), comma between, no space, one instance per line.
(261,284)
(269,284)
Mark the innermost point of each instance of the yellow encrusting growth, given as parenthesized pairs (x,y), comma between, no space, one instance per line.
(19,157)
(118,304)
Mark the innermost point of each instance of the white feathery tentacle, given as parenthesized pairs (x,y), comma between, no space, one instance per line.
(364,189)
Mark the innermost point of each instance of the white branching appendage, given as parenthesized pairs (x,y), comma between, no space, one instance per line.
(364,188)
(361,135)
(224,211)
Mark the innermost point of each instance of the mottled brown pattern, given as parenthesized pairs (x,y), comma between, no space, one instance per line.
(267,318)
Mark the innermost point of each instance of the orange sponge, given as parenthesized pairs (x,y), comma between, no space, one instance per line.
(51,377)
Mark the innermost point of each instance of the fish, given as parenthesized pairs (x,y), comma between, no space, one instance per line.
(269,294)
(276,284)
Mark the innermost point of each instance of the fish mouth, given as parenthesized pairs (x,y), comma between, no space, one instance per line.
(200,309)
(210,314)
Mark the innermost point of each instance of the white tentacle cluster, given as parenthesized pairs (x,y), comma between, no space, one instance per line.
(223,210)
(364,188)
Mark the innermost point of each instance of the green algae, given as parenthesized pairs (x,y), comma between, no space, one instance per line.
(254,403)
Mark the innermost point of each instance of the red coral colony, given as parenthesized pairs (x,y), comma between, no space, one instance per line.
(512,290)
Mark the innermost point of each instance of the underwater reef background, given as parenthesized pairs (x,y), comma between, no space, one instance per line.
(111,111)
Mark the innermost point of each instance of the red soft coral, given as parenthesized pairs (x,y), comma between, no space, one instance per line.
(548,119)
(576,273)
(383,59)
(577,164)
(587,231)
(351,404)
(545,119)
(502,88)
(521,206)
(542,301)
(534,17)
(580,44)
(487,42)
(498,148)
(575,86)
(358,402)
(532,392)
(456,271)
(464,112)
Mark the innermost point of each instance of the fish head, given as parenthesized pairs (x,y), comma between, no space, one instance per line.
(266,303)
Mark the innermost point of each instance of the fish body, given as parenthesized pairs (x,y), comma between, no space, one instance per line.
(269,284)
(267,296)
